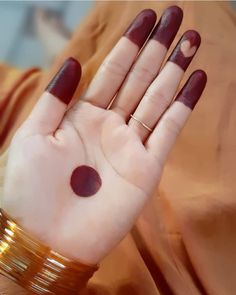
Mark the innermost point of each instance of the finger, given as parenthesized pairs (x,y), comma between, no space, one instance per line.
(114,69)
(51,107)
(162,91)
(165,133)
(148,63)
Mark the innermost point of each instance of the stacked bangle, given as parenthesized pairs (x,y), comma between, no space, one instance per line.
(35,266)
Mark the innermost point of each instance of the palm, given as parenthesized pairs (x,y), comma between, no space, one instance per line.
(107,144)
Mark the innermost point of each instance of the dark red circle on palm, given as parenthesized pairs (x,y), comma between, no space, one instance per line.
(85,181)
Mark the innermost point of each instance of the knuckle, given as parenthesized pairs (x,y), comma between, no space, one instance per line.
(158,95)
(143,74)
(171,125)
(114,67)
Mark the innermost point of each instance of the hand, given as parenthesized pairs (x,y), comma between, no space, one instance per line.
(77,179)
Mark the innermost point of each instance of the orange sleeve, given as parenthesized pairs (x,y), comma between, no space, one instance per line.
(15,90)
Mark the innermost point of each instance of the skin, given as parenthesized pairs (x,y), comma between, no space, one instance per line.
(141,27)
(195,86)
(54,141)
(167,27)
(186,49)
(64,84)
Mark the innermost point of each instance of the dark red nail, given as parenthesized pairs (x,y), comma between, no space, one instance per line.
(168,26)
(85,181)
(141,27)
(193,88)
(186,49)
(65,82)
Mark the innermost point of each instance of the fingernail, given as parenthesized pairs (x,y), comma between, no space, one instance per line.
(186,49)
(193,88)
(168,26)
(141,27)
(65,82)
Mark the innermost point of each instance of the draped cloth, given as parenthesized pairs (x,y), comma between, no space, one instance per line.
(184,242)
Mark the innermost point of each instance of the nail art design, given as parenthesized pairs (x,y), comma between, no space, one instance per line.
(65,82)
(168,26)
(141,27)
(186,49)
(85,181)
(193,88)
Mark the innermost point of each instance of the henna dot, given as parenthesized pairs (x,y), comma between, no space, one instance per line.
(85,181)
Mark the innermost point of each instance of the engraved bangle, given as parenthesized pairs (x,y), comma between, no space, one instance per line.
(35,266)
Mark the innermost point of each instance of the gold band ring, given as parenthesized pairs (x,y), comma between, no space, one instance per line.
(143,124)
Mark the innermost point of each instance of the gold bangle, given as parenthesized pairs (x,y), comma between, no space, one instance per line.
(35,266)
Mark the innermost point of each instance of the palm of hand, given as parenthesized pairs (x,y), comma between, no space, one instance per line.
(87,136)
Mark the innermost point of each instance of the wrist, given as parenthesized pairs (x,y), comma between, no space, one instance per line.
(35,266)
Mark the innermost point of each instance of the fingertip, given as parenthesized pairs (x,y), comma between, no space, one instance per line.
(201,75)
(186,49)
(193,37)
(74,62)
(176,10)
(193,89)
(168,25)
(64,83)
(141,27)
(198,79)
(150,12)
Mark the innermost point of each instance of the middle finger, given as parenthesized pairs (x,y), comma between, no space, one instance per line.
(148,63)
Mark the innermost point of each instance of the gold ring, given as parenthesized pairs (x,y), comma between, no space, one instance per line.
(143,124)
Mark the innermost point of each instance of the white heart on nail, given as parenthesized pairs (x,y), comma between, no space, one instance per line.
(186,48)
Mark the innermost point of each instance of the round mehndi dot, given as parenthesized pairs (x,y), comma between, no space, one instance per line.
(85,181)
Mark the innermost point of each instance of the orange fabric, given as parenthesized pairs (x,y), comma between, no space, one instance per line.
(184,242)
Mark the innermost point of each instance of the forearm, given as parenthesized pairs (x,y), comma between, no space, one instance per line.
(8,287)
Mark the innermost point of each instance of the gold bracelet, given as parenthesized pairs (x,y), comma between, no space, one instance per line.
(35,266)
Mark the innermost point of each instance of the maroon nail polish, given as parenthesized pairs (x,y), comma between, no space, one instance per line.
(141,27)
(65,82)
(193,88)
(186,49)
(85,181)
(168,26)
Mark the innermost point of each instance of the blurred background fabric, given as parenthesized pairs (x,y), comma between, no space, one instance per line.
(19,44)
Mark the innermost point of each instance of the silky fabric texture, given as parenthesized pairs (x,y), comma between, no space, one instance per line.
(184,241)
